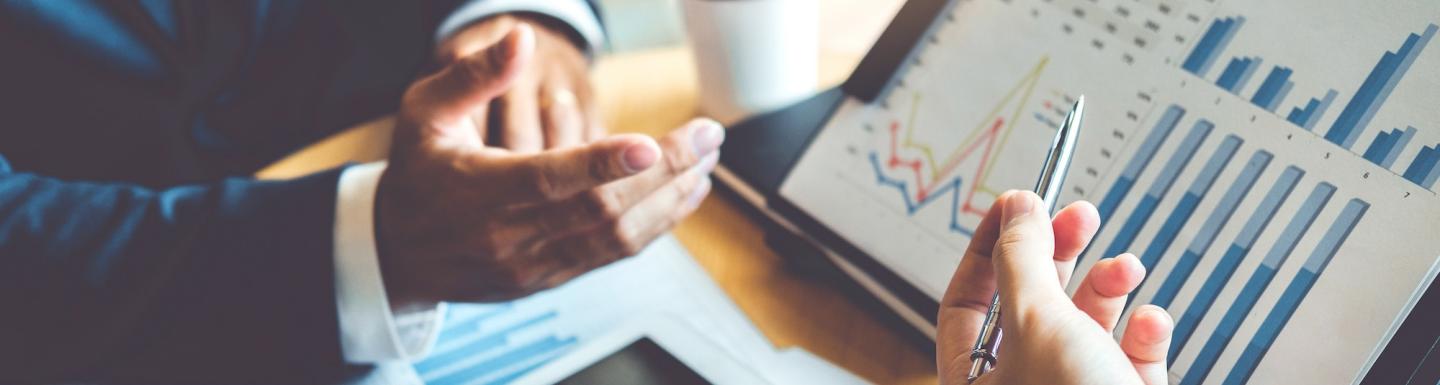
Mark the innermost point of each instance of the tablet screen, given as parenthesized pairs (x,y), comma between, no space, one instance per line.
(1273,164)
(640,363)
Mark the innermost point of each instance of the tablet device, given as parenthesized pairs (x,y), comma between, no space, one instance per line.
(1276,173)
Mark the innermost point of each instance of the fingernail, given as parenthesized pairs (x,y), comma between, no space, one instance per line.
(1019,205)
(706,137)
(708,163)
(638,157)
(698,195)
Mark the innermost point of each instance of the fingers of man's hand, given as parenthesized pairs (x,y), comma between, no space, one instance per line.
(470,83)
(559,174)
(519,120)
(1024,257)
(963,308)
(693,146)
(564,124)
(1105,288)
(1074,226)
(1146,341)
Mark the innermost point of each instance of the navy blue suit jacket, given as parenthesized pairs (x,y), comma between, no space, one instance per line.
(133,246)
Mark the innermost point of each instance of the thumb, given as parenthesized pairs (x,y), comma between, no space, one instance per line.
(1024,254)
(455,92)
(560,173)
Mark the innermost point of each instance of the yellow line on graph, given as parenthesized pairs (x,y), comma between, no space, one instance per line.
(1027,84)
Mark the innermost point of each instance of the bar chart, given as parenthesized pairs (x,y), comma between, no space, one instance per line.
(1353,118)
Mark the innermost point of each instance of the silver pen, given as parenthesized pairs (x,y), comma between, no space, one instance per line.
(1052,178)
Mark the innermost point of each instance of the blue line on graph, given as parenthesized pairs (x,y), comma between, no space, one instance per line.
(1294,293)
(1225,267)
(1255,286)
(951,188)
(1211,228)
(1151,200)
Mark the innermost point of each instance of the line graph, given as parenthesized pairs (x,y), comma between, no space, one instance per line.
(934,179)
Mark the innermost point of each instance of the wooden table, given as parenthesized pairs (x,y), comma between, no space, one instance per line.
(651,92)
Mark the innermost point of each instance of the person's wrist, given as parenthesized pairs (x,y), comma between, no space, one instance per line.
(401,290)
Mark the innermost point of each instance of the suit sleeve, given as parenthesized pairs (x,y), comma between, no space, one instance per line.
(112,282)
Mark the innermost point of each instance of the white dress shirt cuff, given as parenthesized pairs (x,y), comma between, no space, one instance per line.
(370,332)
(576,13)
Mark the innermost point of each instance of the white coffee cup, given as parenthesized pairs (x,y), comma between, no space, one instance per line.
(753,56)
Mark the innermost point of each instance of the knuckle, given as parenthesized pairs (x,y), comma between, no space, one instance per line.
(676,162)
(598,170)
(1010,243)
(541,182)
(604,204)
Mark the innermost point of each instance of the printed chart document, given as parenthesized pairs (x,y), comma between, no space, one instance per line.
(1272,163)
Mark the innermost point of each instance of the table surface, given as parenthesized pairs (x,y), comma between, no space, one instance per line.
(653,91)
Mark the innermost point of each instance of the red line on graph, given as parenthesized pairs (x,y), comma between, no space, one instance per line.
(924,188)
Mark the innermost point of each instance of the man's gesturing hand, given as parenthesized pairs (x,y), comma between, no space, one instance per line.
(460,221)
(1049,339)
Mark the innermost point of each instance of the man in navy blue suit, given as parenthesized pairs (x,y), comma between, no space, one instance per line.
(134,248)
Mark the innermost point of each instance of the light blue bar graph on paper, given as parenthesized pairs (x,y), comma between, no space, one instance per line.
(1221,32)
(1255,286)
(515,359)
(1387,146)
(1186,207)
(1211,228)
(1140,161)
(1295,292)
(1225,267)
(1398,145)
(1198,188)
(1308,116)
(1146,207)
(1237,73)
(1425,168)
(1274,88)
(1377,88)
(472,341)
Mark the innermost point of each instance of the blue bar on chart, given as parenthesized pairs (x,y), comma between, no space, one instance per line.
(1308,116)
(1274,89)
(1387,146)
(489,344)
(1140,161)
(1219,216)
(1295,292)
(1425,169)
(1152,197)
(1255,286)
(1377,87)
(1211,44)
(1225,267)
(1237,73)
(1186,207)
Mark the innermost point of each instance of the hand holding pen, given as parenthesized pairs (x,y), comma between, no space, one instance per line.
(1050,338)
(1019,260)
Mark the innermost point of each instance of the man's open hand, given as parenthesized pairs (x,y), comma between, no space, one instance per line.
(459,221)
